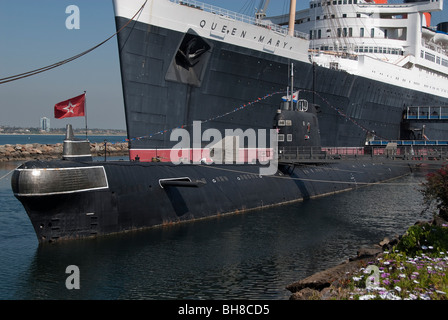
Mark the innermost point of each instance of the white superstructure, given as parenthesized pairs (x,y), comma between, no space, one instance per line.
(217,24)
(391,43)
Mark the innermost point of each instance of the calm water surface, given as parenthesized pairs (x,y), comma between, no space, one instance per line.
(247,256)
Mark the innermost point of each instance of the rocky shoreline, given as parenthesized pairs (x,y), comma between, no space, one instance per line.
(326,284)
(24,152)
(329,284)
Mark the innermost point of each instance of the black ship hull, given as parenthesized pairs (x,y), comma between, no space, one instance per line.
(162,91)
(73,200)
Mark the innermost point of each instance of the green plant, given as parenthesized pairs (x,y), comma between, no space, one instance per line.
(435,190)
(419,238)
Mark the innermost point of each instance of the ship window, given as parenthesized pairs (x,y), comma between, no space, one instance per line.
(281,123)
(361,32)
(281,137)
(350,32)
(372,32)
(289,123)
(289,137)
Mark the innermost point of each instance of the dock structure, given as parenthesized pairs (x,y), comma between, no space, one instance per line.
(392,151)
(438,113)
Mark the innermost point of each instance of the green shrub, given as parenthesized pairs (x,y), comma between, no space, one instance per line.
(435,191)
(420,238)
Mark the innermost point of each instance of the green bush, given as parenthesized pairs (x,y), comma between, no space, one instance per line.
(435,191)
(421,238)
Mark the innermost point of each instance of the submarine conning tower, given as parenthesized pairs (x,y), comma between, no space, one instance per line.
(75,149)
(297,125)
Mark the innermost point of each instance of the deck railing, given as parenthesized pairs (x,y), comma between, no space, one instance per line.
(405,152)
(238,17)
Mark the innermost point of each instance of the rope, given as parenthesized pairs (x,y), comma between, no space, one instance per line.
(342,114)
(62,62)
(235,109)
(3,177)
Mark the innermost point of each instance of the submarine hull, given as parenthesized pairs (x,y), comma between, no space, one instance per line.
(72,199)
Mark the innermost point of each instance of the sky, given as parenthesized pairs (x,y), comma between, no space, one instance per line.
(33,34)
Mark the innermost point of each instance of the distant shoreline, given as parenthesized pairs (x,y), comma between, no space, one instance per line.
(62,134)
(31,151)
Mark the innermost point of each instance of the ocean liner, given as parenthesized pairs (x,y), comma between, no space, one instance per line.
(368,66)
(201,69)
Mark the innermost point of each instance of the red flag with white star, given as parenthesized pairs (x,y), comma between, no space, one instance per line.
(73,107)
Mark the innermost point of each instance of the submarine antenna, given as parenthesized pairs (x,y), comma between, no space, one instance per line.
(292,86)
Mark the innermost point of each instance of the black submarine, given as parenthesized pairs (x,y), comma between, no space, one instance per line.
(78,197)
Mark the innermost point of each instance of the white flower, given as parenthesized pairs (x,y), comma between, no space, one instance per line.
(397,288)
(367,297)
(425,296)
(390,296)
(411,297)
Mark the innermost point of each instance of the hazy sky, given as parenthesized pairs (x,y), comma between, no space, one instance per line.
(33,34)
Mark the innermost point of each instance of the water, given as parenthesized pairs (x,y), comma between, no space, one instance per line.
(254,255)
(51,139)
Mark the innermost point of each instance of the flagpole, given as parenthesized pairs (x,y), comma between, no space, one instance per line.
(85,111)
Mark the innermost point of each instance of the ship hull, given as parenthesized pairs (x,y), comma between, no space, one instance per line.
(350,107)
(102,198)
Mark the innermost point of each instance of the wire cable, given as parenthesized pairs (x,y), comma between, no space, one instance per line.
(62,62)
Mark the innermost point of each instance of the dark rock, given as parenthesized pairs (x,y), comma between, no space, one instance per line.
(369,252)
(326,278)
(305,294)
(438,221)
